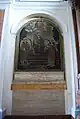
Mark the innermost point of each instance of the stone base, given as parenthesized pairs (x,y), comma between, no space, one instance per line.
(38,102)
(40,117)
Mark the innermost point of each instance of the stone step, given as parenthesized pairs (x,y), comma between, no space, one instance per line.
(46,77)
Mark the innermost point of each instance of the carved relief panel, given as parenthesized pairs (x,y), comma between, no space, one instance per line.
(40,46)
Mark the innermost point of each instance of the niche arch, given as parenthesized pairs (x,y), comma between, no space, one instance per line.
(55,19)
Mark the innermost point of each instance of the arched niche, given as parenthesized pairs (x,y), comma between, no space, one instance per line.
(40,46)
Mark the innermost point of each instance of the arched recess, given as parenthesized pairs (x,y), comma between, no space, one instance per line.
(56,21)
(51,34)
(53,19)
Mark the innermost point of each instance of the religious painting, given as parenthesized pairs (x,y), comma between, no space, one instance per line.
(40,46)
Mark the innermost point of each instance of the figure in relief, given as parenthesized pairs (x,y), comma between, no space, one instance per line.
(39,46)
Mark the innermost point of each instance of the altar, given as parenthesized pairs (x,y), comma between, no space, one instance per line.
(39,58)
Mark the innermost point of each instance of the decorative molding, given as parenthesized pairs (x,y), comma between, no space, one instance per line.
(38,0)
(50,86)
(41,3)
(5,1)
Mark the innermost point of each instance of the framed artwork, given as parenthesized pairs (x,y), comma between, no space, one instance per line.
(40,47)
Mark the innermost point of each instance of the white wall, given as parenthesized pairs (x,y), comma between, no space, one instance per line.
(2,7)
